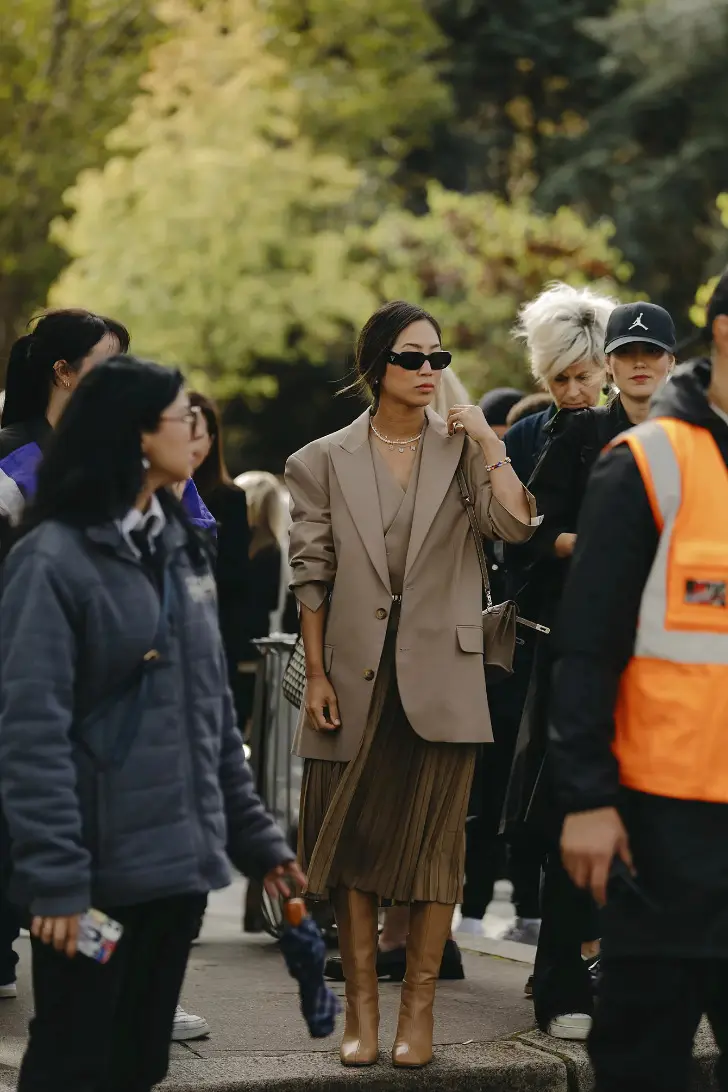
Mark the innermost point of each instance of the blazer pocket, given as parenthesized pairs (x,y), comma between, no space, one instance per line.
(470,638)
(328,657)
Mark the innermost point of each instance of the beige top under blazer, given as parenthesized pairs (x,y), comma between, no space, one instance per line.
(338,546)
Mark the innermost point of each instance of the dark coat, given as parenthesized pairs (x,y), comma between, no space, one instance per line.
(77,616)
(678,846)
(559,483)
(508,566)
(232,569)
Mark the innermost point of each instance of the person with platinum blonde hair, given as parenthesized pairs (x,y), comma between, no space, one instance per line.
(563,330)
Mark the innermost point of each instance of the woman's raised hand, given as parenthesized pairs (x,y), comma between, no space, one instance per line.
(321,704)
(471,419)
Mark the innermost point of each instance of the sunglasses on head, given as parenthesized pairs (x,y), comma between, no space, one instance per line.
(412,362)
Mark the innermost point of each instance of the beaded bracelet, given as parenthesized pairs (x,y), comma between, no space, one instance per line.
(503,462)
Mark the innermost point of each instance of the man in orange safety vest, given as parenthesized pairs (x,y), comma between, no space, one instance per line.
(639,727)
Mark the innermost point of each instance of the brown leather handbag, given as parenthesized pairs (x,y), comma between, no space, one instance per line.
(500,620)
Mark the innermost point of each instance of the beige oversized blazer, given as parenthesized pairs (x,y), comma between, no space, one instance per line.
(337,541)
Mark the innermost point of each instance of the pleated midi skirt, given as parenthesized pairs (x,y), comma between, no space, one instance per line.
(391,821)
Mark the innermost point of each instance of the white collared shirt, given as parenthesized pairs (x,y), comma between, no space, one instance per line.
(153,522)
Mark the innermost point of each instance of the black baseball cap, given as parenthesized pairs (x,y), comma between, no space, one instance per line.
(644,322)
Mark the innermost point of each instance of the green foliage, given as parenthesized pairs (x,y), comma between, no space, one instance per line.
(702,297)
(67,75)
(522,73)
(473,260)
(655,157)
(217,236)
(367,72)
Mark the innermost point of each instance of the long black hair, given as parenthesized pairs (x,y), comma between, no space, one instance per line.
(68,335)
(92,471)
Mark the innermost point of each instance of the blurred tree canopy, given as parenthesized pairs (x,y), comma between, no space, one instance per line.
(232,240)
(368,73)
(702,296)
(654,157)
(472,260)
(217,234)
(68,72)
(285,165)
(522,73)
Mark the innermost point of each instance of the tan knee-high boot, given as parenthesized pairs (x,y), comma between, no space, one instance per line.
(356,920)
(430,924)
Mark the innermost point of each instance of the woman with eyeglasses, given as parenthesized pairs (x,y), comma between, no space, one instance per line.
(44,368)
(387,578)
(122,771)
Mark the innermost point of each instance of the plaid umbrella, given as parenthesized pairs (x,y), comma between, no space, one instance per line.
(305,953)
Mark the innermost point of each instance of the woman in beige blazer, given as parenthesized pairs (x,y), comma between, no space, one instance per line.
(386,574)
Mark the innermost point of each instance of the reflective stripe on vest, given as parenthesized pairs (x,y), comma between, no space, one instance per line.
(672,709)
(659,447)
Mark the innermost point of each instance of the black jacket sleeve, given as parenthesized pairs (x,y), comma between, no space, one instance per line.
(233,542)
(557,483)
(594,636)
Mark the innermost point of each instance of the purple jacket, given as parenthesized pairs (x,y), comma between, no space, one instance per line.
(18,482)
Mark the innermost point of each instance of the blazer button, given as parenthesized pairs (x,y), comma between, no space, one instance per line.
(369,674)
(381,613)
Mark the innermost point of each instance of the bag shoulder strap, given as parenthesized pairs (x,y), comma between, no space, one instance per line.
(468,503)
(134,688)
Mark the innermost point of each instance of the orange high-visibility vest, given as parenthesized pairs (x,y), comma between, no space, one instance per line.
(671,719)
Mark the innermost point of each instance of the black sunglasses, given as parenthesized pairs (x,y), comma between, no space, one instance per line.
(412,362)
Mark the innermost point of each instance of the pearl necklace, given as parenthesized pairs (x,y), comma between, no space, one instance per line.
(399,444)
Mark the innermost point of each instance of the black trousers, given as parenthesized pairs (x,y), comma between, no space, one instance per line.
(561,979)
(646,1015)
(107,1028)
(9,914)
(485,863)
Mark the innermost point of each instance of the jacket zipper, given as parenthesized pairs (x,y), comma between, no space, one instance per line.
(192,785)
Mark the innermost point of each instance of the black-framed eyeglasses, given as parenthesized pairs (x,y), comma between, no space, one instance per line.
(191,417)
(412,362)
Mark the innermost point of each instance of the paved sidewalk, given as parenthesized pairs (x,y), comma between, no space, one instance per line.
(259,1042)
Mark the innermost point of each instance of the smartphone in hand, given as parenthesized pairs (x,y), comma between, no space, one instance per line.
(98,935)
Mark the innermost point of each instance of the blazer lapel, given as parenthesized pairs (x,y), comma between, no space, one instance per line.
(440,457)
(354,468)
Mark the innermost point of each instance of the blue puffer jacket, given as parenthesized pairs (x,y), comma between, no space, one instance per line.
(77,616)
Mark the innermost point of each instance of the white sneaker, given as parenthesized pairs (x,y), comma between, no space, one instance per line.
(186,1026)
(572,1025)
(9,991)
(472,927)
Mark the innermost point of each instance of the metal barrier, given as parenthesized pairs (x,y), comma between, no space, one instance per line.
(277,770)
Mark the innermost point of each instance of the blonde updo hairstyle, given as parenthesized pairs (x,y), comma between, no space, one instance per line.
(564,326)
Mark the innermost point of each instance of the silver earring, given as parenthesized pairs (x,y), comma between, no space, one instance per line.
(145,463)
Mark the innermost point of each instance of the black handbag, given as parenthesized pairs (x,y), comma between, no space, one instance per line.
(500,620)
